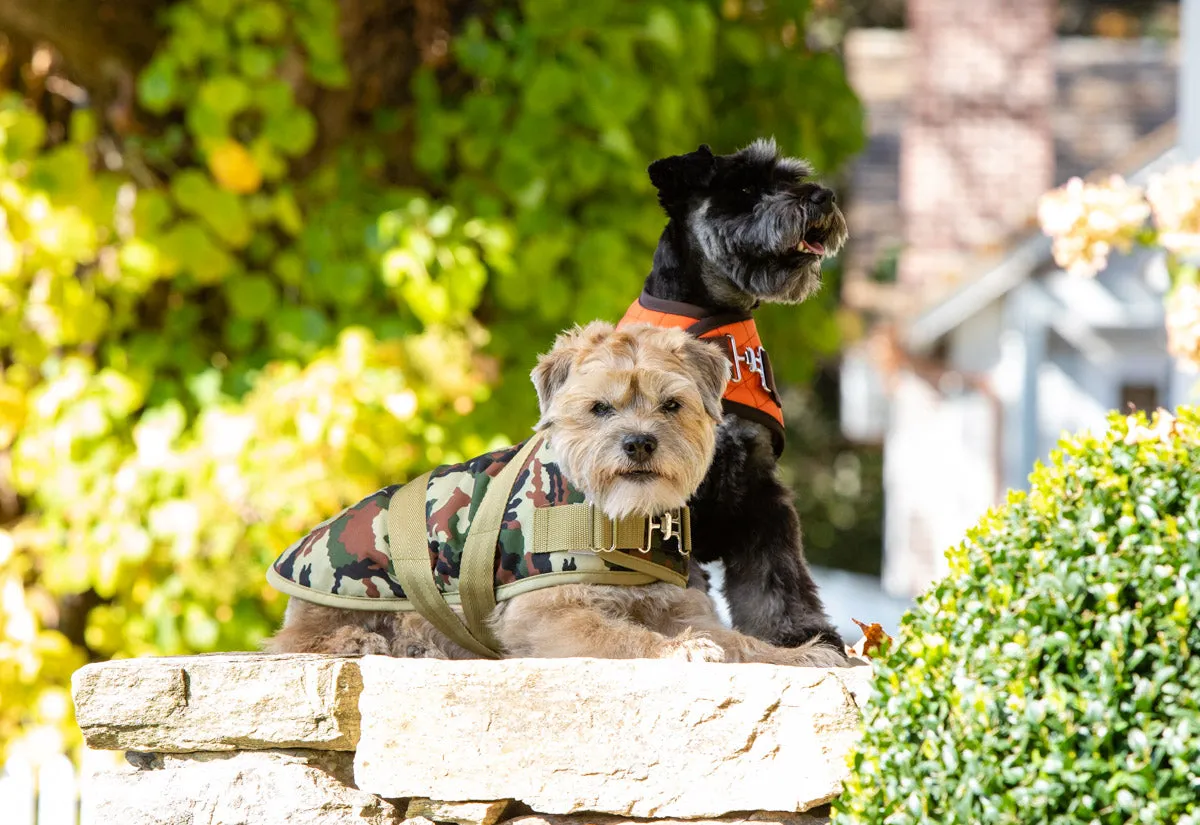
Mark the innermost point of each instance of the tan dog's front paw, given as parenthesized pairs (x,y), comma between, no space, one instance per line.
(693,649)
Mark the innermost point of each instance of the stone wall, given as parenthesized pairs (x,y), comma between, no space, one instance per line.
(251,738)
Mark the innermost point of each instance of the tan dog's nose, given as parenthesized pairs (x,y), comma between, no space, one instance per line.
(639,447)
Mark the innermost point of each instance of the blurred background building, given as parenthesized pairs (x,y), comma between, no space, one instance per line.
(978,352)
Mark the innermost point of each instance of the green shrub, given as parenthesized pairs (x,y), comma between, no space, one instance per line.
(1054,674)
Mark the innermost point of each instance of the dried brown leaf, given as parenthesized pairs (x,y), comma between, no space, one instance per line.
(873,637)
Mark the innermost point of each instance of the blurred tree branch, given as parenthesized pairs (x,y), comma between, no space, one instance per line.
(93,36)
(103,44)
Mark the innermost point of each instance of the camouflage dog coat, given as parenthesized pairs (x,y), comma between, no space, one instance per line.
(349,560)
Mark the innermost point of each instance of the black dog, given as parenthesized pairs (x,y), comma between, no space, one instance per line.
(745,228)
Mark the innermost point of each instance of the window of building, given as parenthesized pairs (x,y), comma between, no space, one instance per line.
(1139,397)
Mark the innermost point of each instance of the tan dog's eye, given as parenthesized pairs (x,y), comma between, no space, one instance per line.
(671,405)
(602,409)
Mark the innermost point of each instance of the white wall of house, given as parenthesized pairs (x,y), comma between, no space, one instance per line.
(939,476)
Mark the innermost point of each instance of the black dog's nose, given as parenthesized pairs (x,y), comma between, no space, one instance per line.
(639,446)
(824,198)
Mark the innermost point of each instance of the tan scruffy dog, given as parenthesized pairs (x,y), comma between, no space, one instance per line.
(630,417)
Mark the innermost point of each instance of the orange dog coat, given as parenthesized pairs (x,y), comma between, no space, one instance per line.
(751,391)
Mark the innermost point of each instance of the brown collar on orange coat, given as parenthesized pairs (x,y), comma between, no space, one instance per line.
(751,391)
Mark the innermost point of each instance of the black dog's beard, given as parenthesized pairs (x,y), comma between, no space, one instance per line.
(781,281)
(773,254)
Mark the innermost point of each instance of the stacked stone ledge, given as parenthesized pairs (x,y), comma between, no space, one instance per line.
(253,738)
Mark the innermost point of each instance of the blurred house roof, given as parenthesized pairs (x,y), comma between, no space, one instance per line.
(1111,95)
(1026,258)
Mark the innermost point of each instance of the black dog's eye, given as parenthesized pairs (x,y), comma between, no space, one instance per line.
(602,409)
(747,190)
(670,406)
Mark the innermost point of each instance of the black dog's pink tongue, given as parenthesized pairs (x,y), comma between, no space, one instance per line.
(815,247)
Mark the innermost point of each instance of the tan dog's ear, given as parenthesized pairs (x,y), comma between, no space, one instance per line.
(553,368)
(710,368)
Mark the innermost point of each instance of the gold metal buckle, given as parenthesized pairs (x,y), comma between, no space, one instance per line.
(668,524)
(672,524)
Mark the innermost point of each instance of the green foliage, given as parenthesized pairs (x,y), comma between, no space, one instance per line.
(234,330)
(570,101)
(838,485)
(1054,675)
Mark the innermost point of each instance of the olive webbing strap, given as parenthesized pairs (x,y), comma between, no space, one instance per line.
(566,528)
(476,578)
(629,533)
(408,540)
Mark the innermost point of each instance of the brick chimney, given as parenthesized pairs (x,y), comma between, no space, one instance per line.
(977,149)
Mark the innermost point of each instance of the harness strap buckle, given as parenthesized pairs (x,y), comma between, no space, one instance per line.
(755,362)
(665,524)
(612,535)
(672,525)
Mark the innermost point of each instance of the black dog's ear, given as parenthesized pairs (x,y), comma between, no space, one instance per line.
(679,176)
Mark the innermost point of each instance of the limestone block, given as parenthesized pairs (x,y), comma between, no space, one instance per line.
(265,787)
(821,818)
(220,702)
(460,813)
(637,738)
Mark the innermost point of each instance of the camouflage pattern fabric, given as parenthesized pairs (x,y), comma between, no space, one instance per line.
(347,560)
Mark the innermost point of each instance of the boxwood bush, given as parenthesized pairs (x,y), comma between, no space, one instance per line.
(1054,675)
